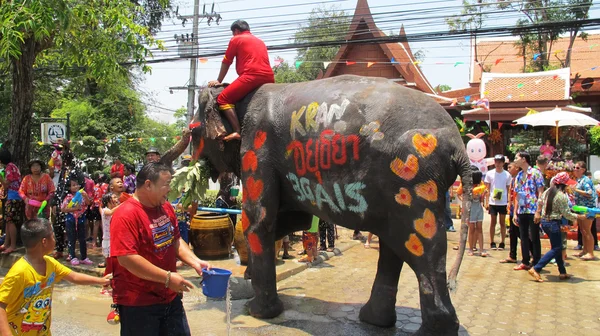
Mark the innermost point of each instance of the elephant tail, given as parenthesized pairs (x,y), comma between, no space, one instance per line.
(464,170)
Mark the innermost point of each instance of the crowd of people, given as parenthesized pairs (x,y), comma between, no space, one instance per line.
(535,205)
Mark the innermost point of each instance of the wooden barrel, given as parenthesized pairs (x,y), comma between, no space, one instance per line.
(211,235)
(241,247)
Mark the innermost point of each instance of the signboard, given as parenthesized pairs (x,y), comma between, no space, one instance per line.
(52,131)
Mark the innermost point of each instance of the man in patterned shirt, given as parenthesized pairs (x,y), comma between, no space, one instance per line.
(529,185)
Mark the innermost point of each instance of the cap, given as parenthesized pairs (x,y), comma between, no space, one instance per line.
(563,178)
(152,150)
(499,157)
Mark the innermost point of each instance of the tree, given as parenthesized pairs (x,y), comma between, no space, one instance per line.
(532,45)
(324,24)
(442,87)
(180,117)
(92,36)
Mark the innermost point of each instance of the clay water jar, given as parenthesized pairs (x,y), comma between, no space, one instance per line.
(211,235)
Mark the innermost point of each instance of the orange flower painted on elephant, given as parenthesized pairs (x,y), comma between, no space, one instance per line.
(414,245)
(405,170)
(424,145)
(426,226)
(427,191)
(249,162)
(403,197)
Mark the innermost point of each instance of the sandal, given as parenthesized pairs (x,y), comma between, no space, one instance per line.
(585,258)
(367,246)
(484,254)
(7,251)
(330,249)
(455,248)
(470,253)
(535,275)
(102,265)
(508,261)
(305,260)
(565,276)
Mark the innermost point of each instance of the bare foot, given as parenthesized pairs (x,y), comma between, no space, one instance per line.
(233,136)
(535,275)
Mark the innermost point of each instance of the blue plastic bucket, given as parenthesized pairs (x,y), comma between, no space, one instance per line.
(214,282)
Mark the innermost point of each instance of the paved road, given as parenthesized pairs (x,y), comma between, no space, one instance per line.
(491,299)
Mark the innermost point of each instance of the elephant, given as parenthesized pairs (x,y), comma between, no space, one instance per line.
(362,152)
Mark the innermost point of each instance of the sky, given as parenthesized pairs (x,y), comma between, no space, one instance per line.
(162,103)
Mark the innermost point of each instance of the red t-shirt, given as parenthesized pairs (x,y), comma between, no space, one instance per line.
(251,55)
(150,233)
(120,169)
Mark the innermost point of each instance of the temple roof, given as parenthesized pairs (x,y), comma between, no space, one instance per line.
(363,26)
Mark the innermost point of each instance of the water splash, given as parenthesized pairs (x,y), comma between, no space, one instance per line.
(228,307)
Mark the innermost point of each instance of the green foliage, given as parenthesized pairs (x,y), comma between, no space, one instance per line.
(324,24)
(535,12)
(462,126)
(193,180)
(595,140)
(443,87)
(180,116)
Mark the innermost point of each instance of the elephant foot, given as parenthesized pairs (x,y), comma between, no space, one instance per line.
(264,309)
(378,314)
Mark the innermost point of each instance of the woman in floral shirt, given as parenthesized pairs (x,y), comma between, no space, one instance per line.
(13,205)
(36,188)
(585,195)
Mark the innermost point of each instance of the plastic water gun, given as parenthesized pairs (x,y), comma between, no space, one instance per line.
(586,210)
(40,213)
(2,173)
(77,199)
(51,162)
(195,124)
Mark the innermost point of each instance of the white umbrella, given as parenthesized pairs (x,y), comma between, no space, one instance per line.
(557,118)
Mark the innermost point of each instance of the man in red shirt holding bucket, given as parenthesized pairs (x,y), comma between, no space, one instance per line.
(144,247)
(252,66)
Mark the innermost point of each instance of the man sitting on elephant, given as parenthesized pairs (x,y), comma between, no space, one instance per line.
(252,66)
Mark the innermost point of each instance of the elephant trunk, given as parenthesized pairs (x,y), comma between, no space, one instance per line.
(464,169)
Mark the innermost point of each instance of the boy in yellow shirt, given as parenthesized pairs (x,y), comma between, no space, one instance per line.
(26,292)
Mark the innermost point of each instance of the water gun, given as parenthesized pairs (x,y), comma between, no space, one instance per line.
(194,124)
(586,210)
(40,213)
(2,173)
(77,199)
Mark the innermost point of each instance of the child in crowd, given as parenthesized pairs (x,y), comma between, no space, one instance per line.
(110,203)
(75,223)
(326,234)
(310,240)
(476,218)
(26,292)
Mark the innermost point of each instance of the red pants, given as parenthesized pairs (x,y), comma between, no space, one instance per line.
(240,87)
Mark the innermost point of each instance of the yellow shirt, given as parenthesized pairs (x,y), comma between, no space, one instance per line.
(28,296)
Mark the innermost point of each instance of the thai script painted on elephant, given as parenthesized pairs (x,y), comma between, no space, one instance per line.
(316,194)
(315,116)
(320,154)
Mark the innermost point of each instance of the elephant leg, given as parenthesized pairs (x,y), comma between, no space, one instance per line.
(380,310)
(258,219)
(437,312)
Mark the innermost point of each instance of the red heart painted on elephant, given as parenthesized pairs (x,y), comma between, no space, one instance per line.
(249,162)
(254,188)
(259,139)
(245,221)
(426,226)
(254,243)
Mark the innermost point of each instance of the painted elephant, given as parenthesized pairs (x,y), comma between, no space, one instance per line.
(362,152)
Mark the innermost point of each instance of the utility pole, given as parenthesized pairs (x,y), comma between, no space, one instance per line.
(188,47)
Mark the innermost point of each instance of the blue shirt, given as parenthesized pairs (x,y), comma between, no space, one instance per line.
(526,187)
(585,184)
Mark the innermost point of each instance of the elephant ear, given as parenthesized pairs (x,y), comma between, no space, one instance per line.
(214,124)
